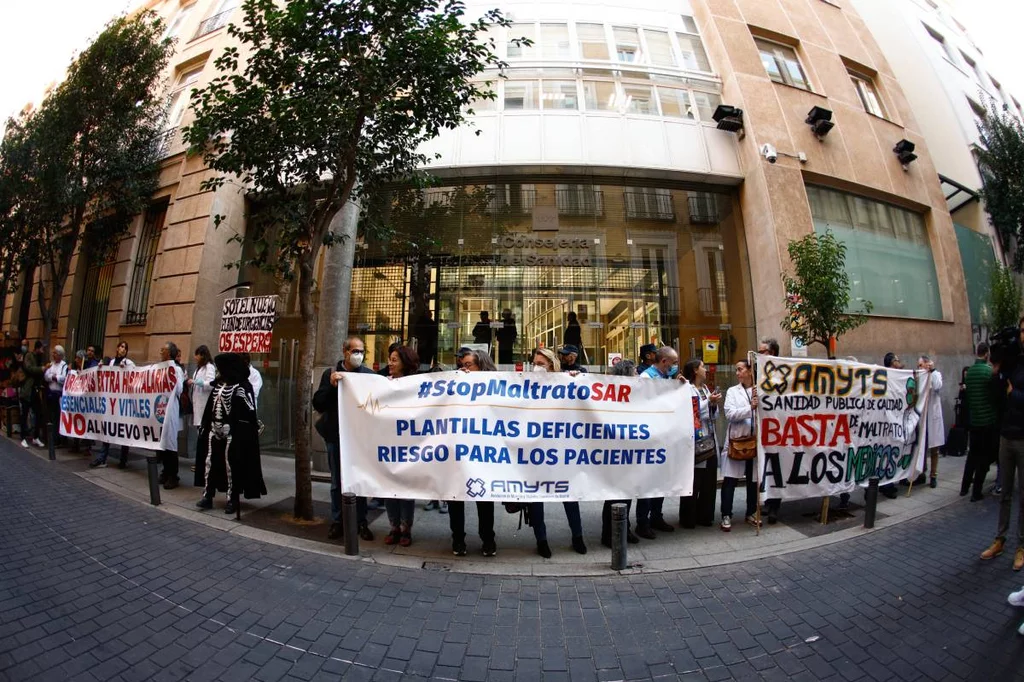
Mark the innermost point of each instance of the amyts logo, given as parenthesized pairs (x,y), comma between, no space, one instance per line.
(776,378)
(160,408)
(475,487)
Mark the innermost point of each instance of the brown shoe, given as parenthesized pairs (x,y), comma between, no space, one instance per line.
(994,550)
(1018,559)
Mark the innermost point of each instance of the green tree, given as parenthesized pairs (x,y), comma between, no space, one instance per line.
(1004,303)
(85,163)
(818,291)
(331,100)
(1000,158)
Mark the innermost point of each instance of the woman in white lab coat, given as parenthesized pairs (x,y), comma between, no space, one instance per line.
(172,421)
(935,429)
(740,404)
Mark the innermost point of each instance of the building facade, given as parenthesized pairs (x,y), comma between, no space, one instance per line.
(600,190)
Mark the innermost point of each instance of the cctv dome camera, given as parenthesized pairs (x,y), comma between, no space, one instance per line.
(770,153)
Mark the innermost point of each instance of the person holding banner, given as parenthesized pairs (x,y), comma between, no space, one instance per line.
(649,516)
(120,359)
(699,508)
(325,401)
(54,375)
(740,408)
(473,361)
(402,362)
(172,421)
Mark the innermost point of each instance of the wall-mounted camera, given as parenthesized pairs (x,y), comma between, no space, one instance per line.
(770,153)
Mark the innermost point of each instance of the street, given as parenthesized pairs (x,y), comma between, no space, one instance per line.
(97,587)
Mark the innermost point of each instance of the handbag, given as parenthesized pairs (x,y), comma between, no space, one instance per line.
(706,447)
(744,448)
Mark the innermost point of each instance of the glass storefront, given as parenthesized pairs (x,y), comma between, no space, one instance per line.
(511,264)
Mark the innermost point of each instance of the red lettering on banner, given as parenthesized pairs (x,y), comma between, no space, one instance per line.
(806,430)
(72,423)
(245,342)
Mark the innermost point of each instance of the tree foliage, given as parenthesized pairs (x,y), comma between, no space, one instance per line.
(818,291)
(1000,158)
(80,167)
(323,101)
(1004,305)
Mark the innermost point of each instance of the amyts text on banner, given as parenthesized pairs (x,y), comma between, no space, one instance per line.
(508,436)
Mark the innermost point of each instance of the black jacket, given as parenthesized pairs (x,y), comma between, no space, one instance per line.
(1013,414)
(325,401)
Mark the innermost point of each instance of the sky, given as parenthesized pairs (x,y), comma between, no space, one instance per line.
(38,38)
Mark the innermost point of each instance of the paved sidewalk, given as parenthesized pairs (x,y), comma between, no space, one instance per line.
(94,586)
(798,529)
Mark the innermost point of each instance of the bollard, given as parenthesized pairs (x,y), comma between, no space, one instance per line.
(51,440)
(152,464)
(620,519)
(350,524)
(870,502)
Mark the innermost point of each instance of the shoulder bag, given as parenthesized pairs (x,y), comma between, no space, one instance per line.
(745,447)
(706,446)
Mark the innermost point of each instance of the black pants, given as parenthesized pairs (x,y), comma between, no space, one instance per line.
(699,509)
(983,451)
(27,406)
(729,490)
(169,458)
(53,417)
(457,520)
(648,510)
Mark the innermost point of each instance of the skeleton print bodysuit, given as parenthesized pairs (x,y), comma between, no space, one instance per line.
(220,435)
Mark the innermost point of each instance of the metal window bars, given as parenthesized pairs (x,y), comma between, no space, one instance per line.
(703,208)
(211,24)
(145,260)
(579,201)
(648,204)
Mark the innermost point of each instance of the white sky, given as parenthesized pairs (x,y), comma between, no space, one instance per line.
(39,37)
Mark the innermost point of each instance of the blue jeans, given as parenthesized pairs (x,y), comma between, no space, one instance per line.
(572,515)
(334,463)
(105,452)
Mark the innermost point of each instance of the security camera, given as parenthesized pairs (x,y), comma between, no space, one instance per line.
(770,153)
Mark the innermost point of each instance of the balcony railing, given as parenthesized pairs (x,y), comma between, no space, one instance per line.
(579,202)
(213,23)
(703,210)
(515,201)
(641,205)
(163,142)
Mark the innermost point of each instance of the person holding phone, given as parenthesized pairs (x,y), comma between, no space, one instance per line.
(699,508)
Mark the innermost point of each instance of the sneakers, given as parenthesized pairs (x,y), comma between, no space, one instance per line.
(490,548)
(752,520)
(1016,598)
(994,550)
(38,443)
(581,547)
(24,443)
(1018,559)
(443,509)
(543,549)
(726,524)
(933,482)
(405,539)
(365,533)
(659,524)
(230,507)
(459,547)
(97,464)
(431,506)
(393,537)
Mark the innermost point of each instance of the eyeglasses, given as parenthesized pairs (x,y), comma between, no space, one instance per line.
(468,364)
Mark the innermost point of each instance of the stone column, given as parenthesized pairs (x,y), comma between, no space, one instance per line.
(335,294)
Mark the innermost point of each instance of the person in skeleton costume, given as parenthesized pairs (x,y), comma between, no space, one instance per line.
(228,454)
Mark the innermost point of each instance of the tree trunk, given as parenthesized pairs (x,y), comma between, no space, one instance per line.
(304,392)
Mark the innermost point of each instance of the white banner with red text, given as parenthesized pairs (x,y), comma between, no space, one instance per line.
(118,405)
(509,436)
(827,426)
(247,324)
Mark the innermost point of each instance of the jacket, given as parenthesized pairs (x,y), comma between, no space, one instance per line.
(740,414)
(1013,417)
(935,428)
(980,410)
(325,401)
(202,386)
(33,375)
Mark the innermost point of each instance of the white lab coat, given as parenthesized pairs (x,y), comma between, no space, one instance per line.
(256,380)
(738,413)
(172,417)
(936,430)
(202,387)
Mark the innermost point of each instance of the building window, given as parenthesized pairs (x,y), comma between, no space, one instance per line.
(559,95)
(177,101)
(706,102)
(639,100)
(675,102)
(947,51)
(592,41)
(217,20)
(513,199)
(868,94)
(782,64)
(888,255)
(579,200)
(519,31)
(978,111)
(648,203)
(659,46)
(703,207)
(627,45)
(554,41)
(976,73)
(145,258)
(692,52)
(599,95)
(520,95)
(176,23)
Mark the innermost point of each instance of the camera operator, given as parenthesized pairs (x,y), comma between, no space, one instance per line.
(1008,384)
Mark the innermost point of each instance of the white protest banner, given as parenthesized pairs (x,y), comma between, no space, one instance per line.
(827,426)
(117,405)
(247,324)
(507,436)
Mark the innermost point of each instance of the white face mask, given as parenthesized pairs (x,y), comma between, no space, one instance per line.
(356,358)
(539,368)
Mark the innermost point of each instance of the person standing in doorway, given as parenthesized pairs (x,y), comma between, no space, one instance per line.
(482,330)
(325,401)
(573,335)
(172,420)
(507,336)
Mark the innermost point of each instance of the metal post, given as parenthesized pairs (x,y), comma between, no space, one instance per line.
(620,519)
(350,524)
(152,464)
(870,502)
(51,436)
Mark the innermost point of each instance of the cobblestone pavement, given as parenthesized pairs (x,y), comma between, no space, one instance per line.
(96,587)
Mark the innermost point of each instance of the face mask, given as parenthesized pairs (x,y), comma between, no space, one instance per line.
(539,368)
(357,358)
(24,349)
(672,371)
